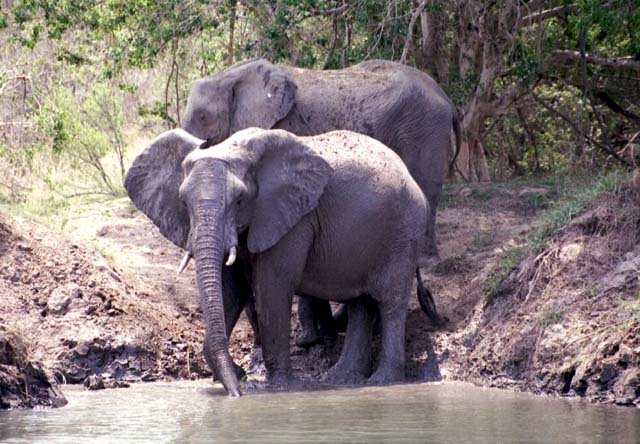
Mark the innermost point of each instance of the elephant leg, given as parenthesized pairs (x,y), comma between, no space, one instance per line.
(428,257)
(354,364)
(316,321)
(252,316)
(392,302)
(273,303)
(276,274)
(309,335)
(324,319)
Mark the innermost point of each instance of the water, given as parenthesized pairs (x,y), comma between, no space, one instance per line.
(200,412)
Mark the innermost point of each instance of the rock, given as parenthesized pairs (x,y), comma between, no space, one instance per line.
(608,372)
(627,388)
(61,298)
(24,383)
(579,382)
(94,382)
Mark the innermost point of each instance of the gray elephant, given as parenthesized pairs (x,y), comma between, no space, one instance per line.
(335,216)
(400,106)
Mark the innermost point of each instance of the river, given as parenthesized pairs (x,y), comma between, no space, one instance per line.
(197,411)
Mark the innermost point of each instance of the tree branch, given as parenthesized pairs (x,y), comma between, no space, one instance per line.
(615,107)
(616,62)
(412,23)
(575,128)
(535,17)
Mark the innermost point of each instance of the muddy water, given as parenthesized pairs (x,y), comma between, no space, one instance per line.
(199,412)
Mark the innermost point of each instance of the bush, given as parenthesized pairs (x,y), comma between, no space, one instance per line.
(83,129)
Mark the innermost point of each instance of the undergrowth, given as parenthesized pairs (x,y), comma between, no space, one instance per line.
(574,198)
(508,261)
(572,195)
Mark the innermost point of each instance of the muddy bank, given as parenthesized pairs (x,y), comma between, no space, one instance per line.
(561,321)
(86,320)
(24,382)
(566,320)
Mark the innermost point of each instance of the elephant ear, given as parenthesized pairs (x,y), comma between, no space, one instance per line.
(153,181)
(290,178)
(263,94)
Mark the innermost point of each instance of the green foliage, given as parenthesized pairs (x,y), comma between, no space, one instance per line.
(134,33)
(508,261)
(83,129)
(577,193)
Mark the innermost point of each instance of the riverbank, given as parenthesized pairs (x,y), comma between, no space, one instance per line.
(552,312)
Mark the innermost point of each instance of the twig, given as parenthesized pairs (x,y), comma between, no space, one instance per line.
(575,128)
(407,43)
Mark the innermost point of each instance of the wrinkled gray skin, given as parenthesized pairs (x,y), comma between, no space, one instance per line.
(335,216)
(398,105)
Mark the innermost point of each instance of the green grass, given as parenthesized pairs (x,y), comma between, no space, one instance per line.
(508,261)
(452,265)
(482,240)
(551,317)
(575,196)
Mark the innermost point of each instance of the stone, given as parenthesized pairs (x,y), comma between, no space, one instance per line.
(607,373)
(94,382)
(61,297)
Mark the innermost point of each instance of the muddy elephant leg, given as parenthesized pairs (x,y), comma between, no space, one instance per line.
(392,300)
(354,364)
(316,321)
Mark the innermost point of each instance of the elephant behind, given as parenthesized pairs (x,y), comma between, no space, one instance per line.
(335,216)
(400,106)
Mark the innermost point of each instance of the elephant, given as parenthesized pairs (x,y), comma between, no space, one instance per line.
(398,105)
(335,216)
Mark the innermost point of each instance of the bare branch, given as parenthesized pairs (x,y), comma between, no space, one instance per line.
(536,17)
(412,23)
(575,128)
(616,62)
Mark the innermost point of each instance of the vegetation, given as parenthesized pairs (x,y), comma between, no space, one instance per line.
(542,86)
(509,260)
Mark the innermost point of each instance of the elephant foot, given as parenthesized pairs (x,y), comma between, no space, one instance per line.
(337,376)
(386,377)
(256,362)
(283,382)
(308,339)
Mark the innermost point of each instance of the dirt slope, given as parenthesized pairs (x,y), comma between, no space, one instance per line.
(81,316)
(563,322)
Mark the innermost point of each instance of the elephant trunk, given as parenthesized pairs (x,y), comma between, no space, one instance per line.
(209,254)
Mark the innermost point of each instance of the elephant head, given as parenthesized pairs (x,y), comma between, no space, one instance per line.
(249,94)
(258,181)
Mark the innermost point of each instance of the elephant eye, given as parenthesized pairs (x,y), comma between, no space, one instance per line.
(239,201)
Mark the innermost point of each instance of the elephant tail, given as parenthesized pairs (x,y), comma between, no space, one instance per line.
(428,305)
(458,134)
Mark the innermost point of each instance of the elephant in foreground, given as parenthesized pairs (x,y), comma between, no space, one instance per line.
(400,106)
(335,216)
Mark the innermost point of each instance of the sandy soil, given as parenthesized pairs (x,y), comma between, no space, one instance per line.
(104,299)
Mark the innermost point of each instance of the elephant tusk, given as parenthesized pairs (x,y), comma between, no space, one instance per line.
(232,256)
(184,262)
